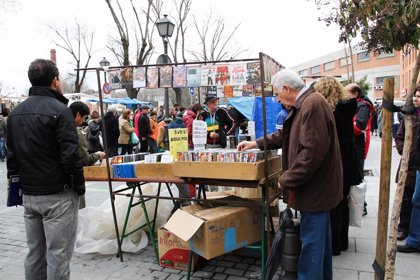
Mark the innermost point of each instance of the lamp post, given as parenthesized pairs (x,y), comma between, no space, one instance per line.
(104,64)
(165,28)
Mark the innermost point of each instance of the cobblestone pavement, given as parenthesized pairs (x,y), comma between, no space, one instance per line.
(354,264)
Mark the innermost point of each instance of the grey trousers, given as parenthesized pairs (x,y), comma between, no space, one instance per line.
(51,224)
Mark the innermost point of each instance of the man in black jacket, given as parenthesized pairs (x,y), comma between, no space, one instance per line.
(44,151)
(144,129)
(112,131)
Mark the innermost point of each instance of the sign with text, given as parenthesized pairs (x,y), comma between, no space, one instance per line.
(178,140)
(199,134)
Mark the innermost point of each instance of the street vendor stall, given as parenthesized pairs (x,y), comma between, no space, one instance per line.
(209,167)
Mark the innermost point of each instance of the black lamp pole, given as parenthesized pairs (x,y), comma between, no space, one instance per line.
(104,63)
(165,28)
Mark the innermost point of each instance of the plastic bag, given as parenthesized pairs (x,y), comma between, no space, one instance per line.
(96,231)
(356,199)
(134,140)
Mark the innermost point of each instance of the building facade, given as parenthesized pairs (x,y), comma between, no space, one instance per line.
(375,67)
(407,62)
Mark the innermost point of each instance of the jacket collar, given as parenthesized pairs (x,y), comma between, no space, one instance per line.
(301,98)
(46,91)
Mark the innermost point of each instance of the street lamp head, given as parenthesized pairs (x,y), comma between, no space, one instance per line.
(104,62)
(165,27)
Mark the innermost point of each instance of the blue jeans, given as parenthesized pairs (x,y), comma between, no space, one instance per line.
(315,261)
(2,148)
(413,239)
(51,224)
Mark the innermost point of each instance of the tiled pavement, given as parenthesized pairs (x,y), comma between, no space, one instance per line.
(354,264)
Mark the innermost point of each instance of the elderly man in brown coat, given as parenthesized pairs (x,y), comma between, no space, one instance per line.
(312,168)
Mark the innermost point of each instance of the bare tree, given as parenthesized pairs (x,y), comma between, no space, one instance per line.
(215,40)
(183,8)
(78,41)
(143,32)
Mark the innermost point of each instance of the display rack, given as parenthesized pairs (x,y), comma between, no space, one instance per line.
(268,67)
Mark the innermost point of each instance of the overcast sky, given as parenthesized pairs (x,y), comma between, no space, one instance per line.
(287,30)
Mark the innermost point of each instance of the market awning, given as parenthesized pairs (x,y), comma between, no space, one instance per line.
(251,108)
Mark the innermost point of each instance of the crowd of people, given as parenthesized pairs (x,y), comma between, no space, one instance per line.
(324,131)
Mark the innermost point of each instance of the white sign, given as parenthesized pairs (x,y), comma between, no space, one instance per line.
(251,130)
(199,134)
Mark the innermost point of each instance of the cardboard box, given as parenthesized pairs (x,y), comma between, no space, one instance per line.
(255,193)
(215,231)
(93,173)
(250,171)
(174,252)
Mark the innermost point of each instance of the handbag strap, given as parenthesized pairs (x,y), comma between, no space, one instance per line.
(290,198)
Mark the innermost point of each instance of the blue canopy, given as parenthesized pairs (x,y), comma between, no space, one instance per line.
(104,100)
(251,108)
(127,101)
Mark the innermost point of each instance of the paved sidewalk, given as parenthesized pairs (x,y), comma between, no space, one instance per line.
(354,264)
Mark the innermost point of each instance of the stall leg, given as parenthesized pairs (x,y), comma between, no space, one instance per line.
(189,265)
(156,207)
(263,218)
(170,193)
(127,215)
(149,227)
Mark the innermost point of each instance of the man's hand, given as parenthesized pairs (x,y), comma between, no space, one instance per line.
(279,186)
(214,134)
(101,155)
(246,145)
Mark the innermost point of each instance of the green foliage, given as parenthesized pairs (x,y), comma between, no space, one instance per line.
(383,25)
(363,84)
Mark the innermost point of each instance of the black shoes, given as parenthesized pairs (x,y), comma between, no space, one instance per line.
(401,235)
(406,249)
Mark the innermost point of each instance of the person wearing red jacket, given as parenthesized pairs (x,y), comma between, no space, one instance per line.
(188,119)
(361,125)
(361,122)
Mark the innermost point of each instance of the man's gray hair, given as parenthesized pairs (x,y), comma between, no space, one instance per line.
(112,109)
(287,77)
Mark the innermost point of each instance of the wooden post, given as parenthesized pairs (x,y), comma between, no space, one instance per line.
(384,182)
(393,228)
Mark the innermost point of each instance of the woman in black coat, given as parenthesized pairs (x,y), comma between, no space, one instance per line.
(344,108)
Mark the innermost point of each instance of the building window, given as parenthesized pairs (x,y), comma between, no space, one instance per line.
(385,54)
(345,61)
(379,82)
(316,69)
(303,72)
(329,65)
(363,56)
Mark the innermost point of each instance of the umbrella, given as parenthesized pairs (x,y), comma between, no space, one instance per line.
(274,258)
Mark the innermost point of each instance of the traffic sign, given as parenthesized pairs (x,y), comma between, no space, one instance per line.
(191,90)
(106,88)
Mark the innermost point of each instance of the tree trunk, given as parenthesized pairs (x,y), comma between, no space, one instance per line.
(351,60)
(347,62)
(386,154)
(392,239)
(178,95)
